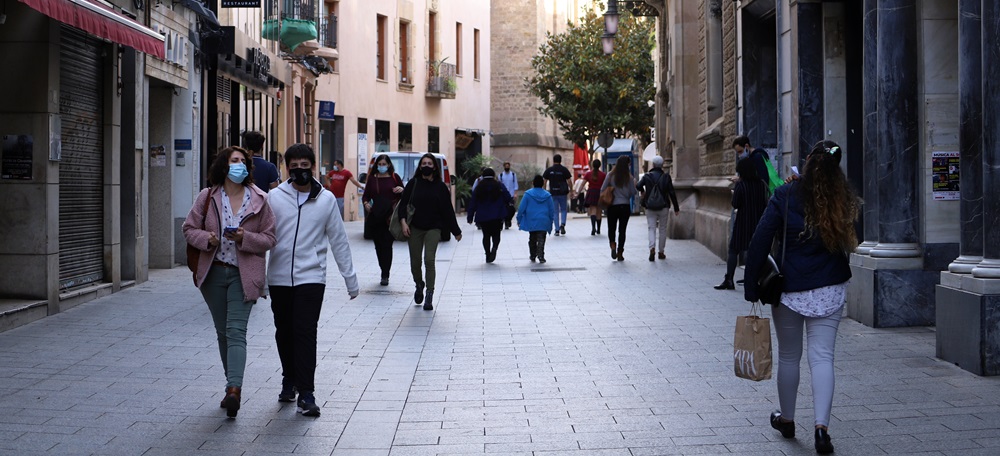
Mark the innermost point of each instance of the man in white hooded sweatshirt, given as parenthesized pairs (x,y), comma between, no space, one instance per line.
(307,220)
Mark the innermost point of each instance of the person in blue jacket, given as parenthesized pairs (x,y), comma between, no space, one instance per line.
(488,208)
(537,216)
(819,236)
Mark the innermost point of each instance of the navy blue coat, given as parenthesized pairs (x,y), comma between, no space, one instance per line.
(808,264)
(485,210)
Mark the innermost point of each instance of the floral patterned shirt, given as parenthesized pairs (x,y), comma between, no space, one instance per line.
(227,248)
(818,302)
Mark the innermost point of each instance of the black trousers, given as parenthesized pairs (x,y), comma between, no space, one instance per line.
(536,244)
(383,248)
(491,234)
(296,316)
(618,216)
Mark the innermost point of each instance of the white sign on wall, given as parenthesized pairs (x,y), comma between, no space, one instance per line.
(362,152)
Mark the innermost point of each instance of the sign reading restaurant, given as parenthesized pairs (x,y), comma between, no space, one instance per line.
(241,3)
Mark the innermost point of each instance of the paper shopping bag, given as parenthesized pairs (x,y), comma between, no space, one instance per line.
(752,348)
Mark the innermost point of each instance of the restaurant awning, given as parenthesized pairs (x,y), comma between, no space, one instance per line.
(97,19)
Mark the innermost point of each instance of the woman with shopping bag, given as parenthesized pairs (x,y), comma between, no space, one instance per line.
(821,211)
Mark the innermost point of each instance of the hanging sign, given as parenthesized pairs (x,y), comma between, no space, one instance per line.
(240,4)
(945,176)
(326,110)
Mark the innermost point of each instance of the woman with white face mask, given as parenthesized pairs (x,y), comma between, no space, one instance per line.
(382,191)
(233,227)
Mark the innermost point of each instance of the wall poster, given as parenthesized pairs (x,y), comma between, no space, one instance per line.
(945,176)
(17,157)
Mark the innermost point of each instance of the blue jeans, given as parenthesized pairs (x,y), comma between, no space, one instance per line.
(340,205)
(561,209)
(223,292)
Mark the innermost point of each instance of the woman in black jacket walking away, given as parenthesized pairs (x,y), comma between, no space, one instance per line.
(749,200)
(818,237)
(488,208)
(432,212)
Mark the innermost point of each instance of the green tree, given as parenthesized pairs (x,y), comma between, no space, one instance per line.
(587,92)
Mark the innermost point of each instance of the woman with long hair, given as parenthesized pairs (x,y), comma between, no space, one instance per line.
(819,236)
(594,178)
(488,209)
(383,189)
(233,227)
(620,209)
(749,200)
(432,213)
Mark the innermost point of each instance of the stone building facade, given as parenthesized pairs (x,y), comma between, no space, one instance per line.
(520,134)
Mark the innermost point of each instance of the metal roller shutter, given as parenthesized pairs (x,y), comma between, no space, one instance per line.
(81,171)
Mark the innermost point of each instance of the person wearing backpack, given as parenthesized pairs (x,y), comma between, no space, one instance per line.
(654,189)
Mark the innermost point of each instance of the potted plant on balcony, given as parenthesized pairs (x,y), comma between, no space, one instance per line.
(436,82)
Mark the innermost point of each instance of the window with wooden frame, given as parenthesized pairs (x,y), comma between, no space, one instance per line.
(475,53)
(458,48)
(380,44)
(404,53)
(432,36)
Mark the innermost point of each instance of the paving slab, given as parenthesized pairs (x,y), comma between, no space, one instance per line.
(582,355)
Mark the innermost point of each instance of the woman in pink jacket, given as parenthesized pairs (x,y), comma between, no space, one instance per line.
(233,227)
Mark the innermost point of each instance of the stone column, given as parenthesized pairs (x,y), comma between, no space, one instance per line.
(989,268)
(898,130)
(870,132)
(809,40)
(970,135)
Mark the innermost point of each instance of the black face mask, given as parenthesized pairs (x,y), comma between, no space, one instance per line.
(300,176)
(426,170)
(506,170)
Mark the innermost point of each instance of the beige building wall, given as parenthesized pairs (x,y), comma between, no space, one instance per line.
(361,97)
(520,133)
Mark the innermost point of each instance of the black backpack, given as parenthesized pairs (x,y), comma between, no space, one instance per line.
(656,200)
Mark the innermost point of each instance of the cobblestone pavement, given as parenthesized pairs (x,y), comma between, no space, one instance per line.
(580,356)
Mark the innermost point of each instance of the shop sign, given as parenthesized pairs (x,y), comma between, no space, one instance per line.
(17,157)
(326,110)
(182,144)
(260,64)
(240,3)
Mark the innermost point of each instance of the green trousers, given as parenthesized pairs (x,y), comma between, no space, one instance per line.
(423,245)
(223,292)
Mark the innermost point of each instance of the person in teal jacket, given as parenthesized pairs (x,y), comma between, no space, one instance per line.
(537,216)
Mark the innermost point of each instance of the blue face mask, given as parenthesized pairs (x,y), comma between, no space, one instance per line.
(383,169)
(237,172)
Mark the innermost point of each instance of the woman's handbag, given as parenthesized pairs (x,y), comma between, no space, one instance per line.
(771,282)
(395,225)
(752,346)
(607,196)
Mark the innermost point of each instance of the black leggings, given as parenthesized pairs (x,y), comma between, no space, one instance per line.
(383,248)
(619,213)
(491,234)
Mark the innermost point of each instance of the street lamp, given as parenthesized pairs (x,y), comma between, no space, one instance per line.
(636,7)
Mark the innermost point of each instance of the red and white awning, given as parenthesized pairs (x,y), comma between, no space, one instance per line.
(97,19)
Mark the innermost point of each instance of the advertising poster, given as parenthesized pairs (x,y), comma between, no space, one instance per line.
(157,156)
(362,152)
(17,157)
(944,176)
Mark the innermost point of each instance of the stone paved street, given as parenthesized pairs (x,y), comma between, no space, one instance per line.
(581,356)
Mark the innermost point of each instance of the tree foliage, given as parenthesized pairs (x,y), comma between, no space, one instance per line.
(587,92)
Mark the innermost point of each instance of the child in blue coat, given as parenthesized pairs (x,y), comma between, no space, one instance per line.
(537,216)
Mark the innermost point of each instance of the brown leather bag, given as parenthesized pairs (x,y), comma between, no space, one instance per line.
(193,252)
(607,196)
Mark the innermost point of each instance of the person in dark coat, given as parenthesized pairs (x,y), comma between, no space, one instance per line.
(383,190)
(488,209)
(749,200)
(814,219)
(433,214)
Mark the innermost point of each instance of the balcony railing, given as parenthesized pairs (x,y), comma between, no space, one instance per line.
(328,32)
(441,80)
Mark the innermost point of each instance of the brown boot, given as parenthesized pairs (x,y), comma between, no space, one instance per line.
(652,254)
(232,401)
(621,254)
(662,256)
(614,253)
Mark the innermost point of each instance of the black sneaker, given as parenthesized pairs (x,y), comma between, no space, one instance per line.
(541,259)
(562,230)
(384,282)
(287,394)
(307,405)
(532,259)
(429,301)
